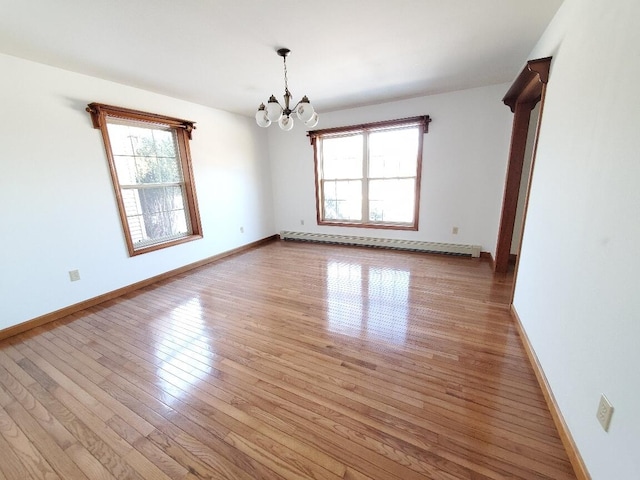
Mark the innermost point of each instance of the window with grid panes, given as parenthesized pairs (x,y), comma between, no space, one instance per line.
(369,175)
(150,166)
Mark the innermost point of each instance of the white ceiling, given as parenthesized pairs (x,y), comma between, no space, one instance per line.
(221,53)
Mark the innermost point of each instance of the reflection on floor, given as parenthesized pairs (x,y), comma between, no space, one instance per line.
(367,302)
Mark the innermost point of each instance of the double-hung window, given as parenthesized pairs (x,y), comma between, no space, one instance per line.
(369,175)
(150,167)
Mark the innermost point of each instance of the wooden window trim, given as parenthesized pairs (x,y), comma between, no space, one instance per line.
(422,122)
(183,128)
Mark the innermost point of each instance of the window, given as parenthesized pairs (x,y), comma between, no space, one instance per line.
(150,167)
(369,175)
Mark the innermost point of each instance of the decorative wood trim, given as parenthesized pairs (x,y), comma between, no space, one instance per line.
(380,226)
(528,86)
(318,188)
(423,120)
(99,111)
(63,312)
(526,200)
(575,458)
(424,129)
(512,184)
(527,90)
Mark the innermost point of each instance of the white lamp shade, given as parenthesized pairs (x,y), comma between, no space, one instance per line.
(286,123)
(305,111)
(261,118)
(313,121)
(274,111)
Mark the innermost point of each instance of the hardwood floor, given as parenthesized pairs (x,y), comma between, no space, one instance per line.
(289,361)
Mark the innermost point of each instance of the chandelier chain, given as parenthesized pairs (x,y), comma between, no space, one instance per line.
(286,80)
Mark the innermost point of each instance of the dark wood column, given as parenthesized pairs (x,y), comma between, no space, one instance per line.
(522,97)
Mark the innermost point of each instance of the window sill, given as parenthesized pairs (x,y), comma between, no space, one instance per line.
(160,246)
(382,226)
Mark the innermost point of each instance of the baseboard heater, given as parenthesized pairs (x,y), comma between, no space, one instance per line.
(391,243)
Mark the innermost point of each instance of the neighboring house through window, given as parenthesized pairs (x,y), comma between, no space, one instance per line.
(369,175)
(151,170)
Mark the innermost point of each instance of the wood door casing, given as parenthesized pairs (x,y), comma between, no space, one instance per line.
(523,95)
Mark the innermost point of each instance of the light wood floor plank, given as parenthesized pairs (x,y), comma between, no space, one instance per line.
(11,466)
(78,369)
(289,361)
(32,459)
(45,443)
(40,413)
(92,468)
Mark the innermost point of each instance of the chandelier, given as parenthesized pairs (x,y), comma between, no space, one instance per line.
(274,112)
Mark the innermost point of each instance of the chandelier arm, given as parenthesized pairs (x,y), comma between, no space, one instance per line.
(296,106)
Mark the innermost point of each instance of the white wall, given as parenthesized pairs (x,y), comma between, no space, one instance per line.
(578,292)
(58,210)
(464,162)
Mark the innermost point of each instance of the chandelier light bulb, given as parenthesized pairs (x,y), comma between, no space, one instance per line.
(261,117)
(286,123)
(313,121)
(275,112)
(305,110)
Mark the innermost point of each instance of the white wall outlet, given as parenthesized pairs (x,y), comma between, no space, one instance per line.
(74,275)
(454,230)
(301,222)
(605,410)
(241,229)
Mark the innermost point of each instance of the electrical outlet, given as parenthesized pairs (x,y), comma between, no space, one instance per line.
(74,275)
(605,410)
(301,222)
(241,229)
(454,230)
